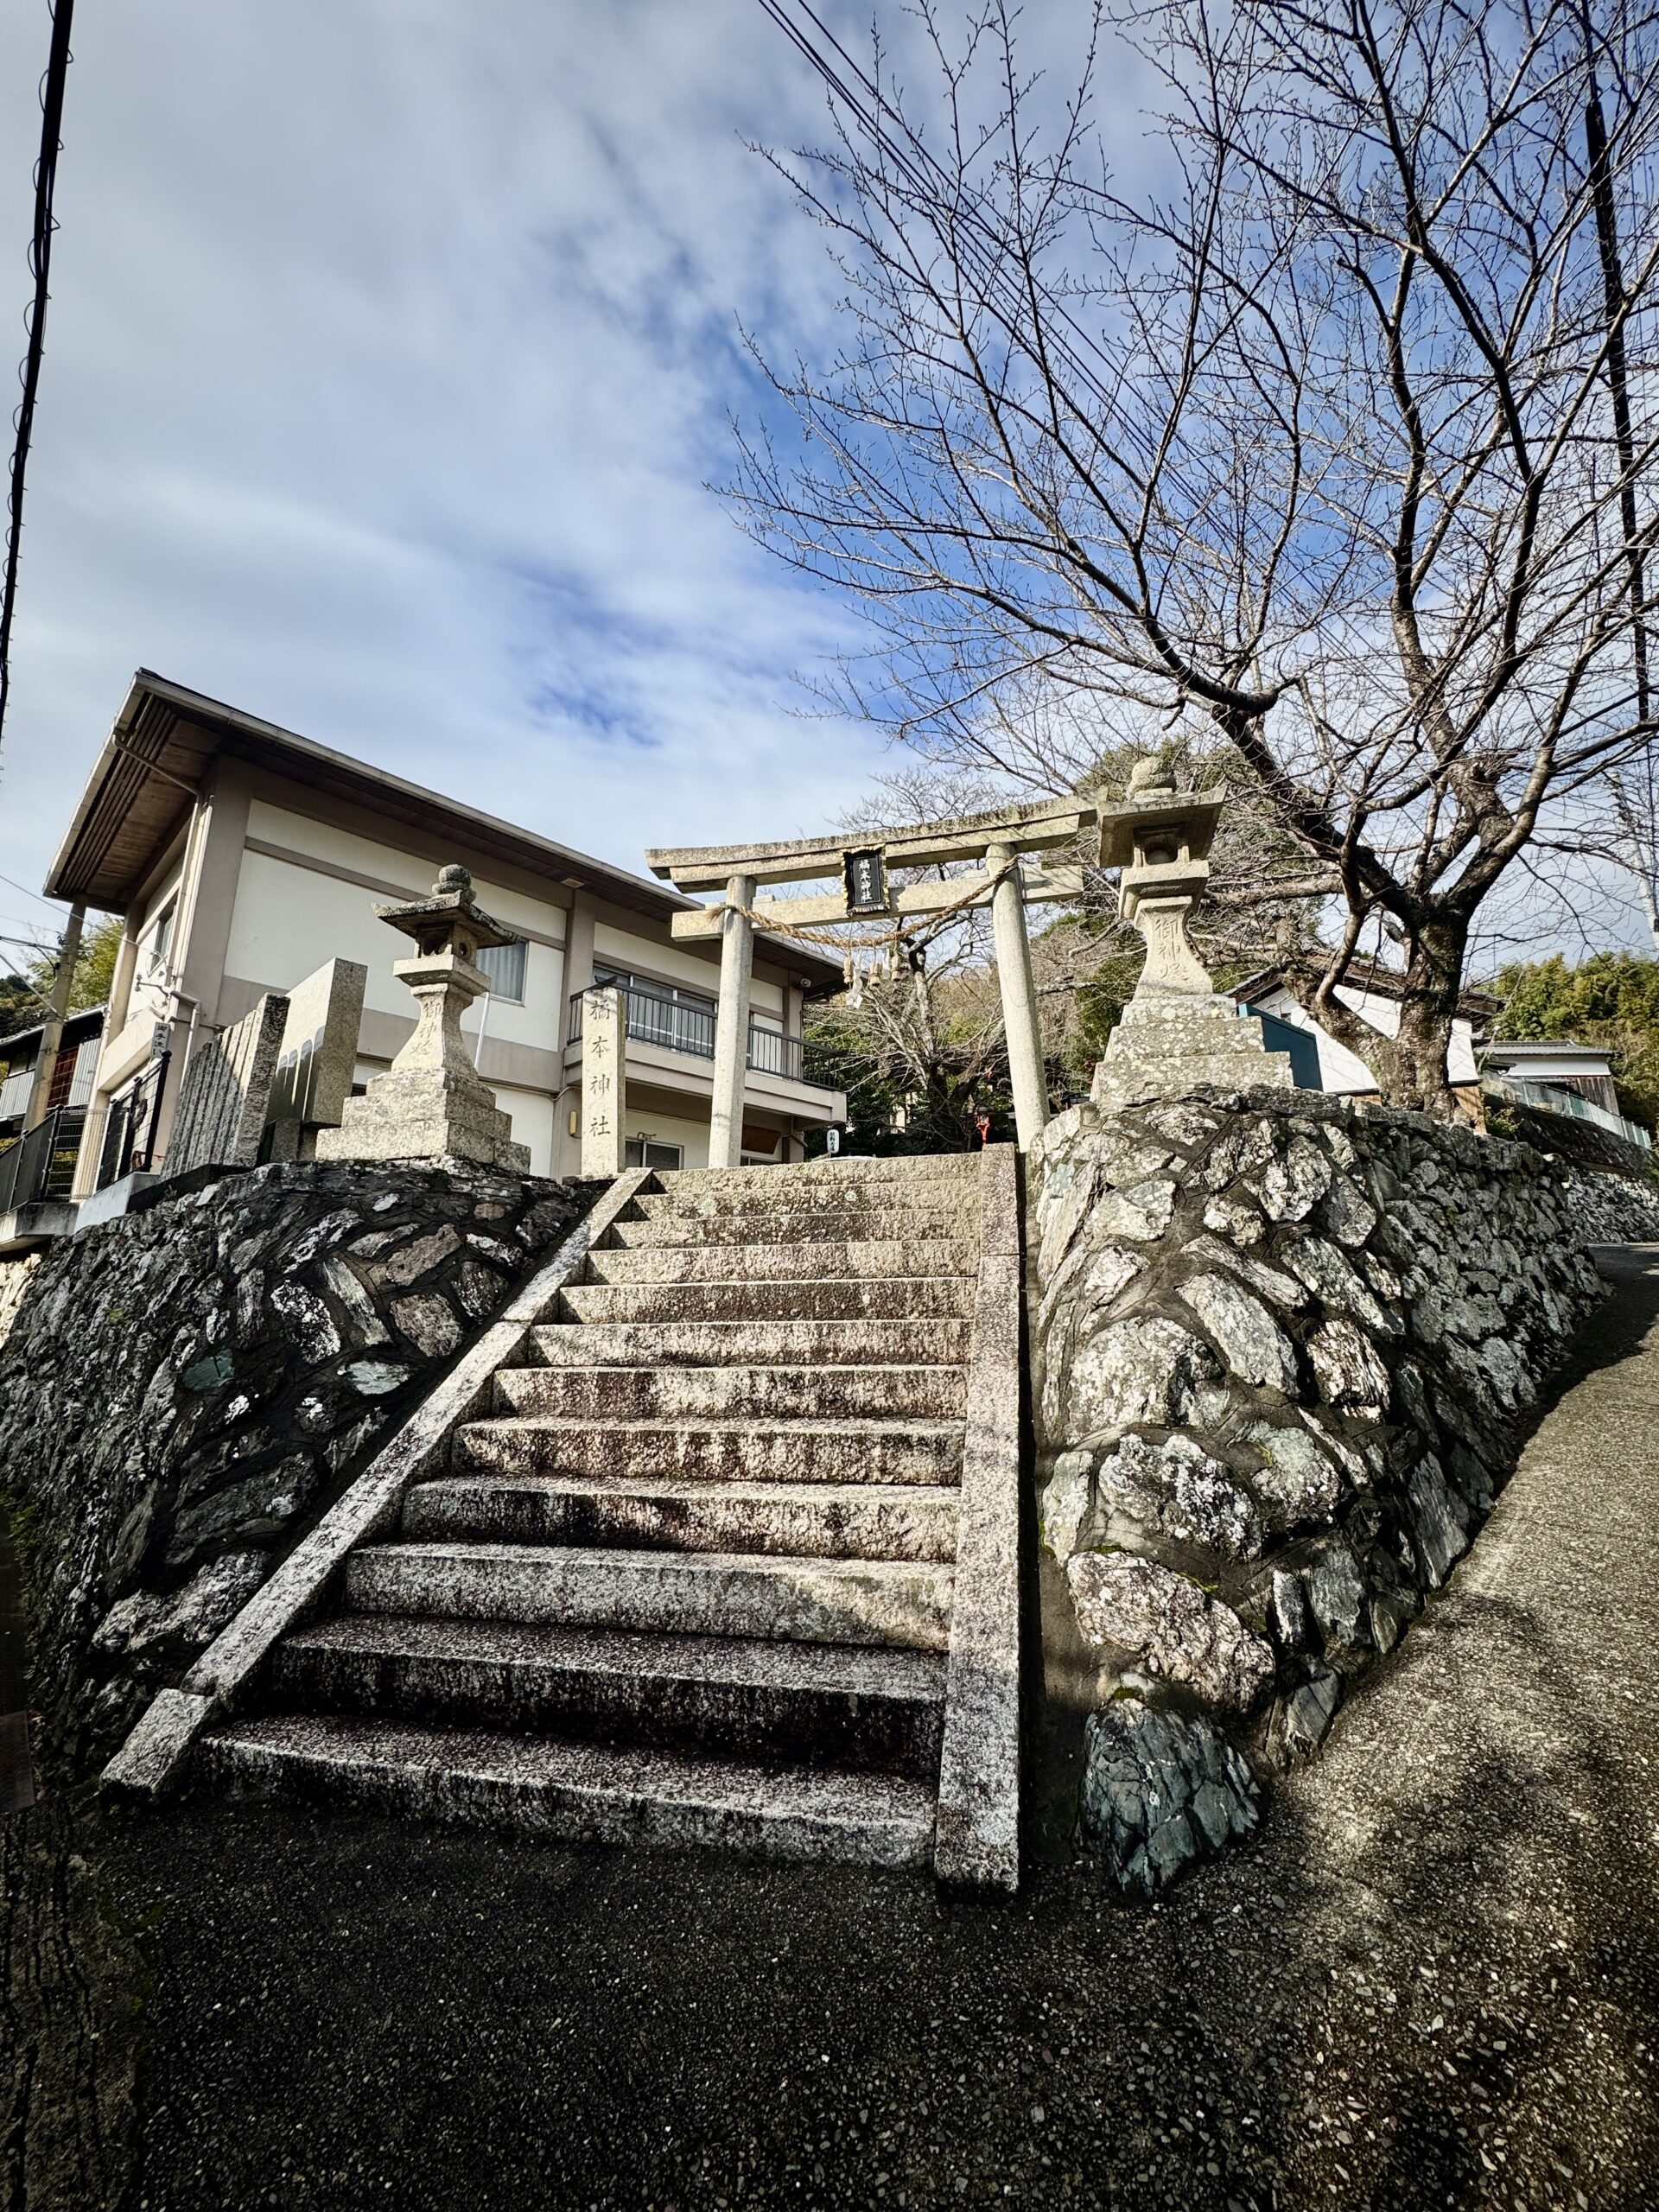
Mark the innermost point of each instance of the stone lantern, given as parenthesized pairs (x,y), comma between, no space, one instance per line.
(432,1103)
(1175,1032)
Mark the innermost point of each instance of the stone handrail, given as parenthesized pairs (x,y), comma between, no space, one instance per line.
(976,1843)
(153,1758)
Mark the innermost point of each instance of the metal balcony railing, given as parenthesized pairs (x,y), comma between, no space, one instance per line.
(43,1164)
(130,1132)
(688,1025)
(654,1018)
(1549,1099)
(771,1052)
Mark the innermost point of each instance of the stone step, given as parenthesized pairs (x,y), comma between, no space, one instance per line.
(827,1393)
(839,1299)
(909,1521)
(885,1260)
(809,1704)
(575,1792)
(716,1451)
(691,1593)
(915,1342)
(656,1224)
(827,1180)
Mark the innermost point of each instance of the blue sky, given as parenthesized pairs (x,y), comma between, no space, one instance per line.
(391,346)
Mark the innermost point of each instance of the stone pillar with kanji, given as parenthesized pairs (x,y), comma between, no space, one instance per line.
(604,1080)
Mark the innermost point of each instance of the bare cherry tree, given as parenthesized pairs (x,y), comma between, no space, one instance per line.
(1636,848)
(1329,443)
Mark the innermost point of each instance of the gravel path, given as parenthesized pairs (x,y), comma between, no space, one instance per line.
(1435,1982)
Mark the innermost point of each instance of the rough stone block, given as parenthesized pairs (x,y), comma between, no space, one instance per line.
(1177,1487)
(223,1098)
(1161,1791)
(1174,1630)
(316,1056)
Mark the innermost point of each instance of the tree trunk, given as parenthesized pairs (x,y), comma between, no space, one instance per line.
(1417,1078)
(1409,1066)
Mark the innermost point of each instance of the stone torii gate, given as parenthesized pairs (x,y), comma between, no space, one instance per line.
(865,867)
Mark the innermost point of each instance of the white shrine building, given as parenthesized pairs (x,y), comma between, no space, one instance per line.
(1320,1062)
(242,858)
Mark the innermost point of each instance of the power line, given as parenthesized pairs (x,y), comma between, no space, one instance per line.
(40,261)
(12,884)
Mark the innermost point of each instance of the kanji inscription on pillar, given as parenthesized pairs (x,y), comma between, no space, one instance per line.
(604,1080)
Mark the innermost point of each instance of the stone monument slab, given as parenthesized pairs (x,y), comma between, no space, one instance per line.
(604,1080)
(220,1118)
(318,1053)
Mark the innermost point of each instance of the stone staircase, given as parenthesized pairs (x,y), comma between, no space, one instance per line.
(692,1576)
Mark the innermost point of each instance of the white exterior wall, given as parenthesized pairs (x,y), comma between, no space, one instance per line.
(153,976)
(532,1115)
(661,1129)
(288,919)
(1339,1069)
(1345,1071)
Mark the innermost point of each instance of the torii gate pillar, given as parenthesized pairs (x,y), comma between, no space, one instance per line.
(1019,1025)
(870,875)
(732,1024)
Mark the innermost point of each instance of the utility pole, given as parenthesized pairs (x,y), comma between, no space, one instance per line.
(40,263)
(47,1060)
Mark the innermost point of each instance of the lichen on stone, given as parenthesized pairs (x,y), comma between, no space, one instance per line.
(1288,1417)
(185,1390)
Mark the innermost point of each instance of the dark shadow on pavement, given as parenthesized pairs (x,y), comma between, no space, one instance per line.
(1434,1980)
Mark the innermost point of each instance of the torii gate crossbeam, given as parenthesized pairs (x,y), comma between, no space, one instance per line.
(865,866)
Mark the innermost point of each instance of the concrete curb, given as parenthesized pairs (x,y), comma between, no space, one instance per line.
(977,1840)
(152,1760)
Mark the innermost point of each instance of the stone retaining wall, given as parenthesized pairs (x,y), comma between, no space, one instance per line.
(1610,1209)
(16,1274)
(1284,1348)
(184,1391)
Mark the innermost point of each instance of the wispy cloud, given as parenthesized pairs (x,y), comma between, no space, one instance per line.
(390,350)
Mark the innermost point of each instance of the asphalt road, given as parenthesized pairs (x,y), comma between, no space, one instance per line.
(1433,1981)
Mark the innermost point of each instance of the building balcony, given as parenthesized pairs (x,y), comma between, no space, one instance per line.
(1556,1098)
(687,1025)
(41,1166)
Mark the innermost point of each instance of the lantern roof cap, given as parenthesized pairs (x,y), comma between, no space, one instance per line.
(451,902)
(1155,805)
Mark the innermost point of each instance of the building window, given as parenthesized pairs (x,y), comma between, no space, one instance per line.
(644,1151)
(504,966)
(159,937)
(648,987)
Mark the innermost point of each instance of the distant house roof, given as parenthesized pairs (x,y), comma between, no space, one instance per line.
(77,1028)
(1561,1052)
(1367,976)
(156,760)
